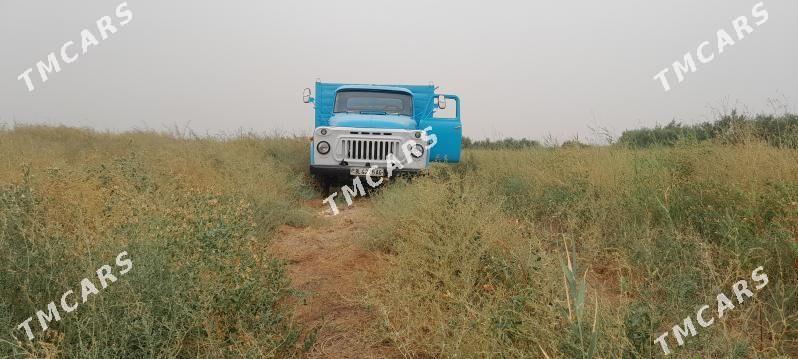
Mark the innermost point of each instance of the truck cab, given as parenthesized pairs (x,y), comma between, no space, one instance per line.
(360,128)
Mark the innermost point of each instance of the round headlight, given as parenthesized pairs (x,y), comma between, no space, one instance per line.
(417,134)
(417,151)
(323,131)
(323,147)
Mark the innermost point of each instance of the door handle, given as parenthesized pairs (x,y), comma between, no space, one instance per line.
(461,126)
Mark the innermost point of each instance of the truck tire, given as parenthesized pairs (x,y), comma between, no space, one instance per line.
(325,182)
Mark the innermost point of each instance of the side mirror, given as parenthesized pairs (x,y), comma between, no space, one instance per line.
(306,96)
(442,102)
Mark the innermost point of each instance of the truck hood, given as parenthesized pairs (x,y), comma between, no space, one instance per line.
(372,121)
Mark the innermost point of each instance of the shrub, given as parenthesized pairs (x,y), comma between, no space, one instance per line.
(732,128)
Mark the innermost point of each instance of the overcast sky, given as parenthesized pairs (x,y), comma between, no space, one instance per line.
(523,68)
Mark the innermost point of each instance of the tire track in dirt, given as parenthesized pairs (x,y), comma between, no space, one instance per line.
(328,265)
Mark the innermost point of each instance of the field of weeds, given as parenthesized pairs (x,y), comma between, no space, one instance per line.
(195,216)
(571,252)
(480,265)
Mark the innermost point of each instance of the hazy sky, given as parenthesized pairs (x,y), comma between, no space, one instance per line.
(522,68)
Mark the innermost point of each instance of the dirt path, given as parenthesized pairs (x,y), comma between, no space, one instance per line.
(330,268)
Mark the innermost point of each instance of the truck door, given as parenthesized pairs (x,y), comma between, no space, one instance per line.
(448,132)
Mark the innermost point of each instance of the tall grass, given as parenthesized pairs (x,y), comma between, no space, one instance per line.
(483,254)
(477,252)
(195,216)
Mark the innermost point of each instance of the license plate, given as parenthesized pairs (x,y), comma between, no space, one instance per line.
(363,171)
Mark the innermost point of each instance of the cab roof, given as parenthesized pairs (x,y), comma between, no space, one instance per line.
(375,88)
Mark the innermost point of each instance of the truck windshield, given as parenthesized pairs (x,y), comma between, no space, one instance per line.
(370,102)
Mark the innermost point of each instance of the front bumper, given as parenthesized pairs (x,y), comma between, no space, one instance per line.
(343,171)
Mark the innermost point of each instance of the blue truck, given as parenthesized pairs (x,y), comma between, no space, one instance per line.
(359,128)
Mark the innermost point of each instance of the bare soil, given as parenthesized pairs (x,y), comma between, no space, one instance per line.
(328,266)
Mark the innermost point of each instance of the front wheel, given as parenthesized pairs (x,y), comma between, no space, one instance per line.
(324,185)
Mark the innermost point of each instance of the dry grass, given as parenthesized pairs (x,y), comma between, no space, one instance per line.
(196,216)
(478,265)
(478,251)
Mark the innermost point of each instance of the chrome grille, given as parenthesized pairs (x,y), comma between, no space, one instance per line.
(367,150)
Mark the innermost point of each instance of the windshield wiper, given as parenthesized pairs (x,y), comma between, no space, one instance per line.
(373,113)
